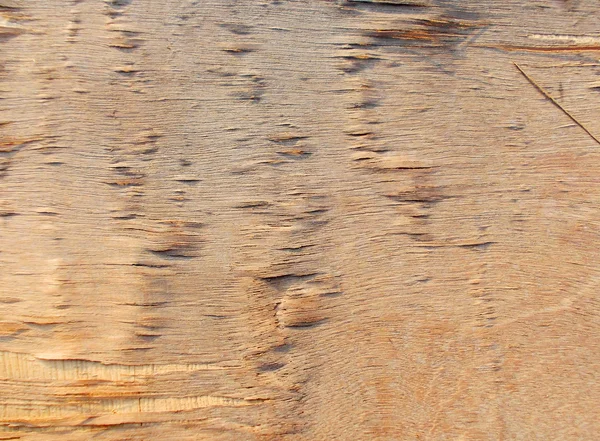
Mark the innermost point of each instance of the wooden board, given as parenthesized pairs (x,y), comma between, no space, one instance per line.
(299,220)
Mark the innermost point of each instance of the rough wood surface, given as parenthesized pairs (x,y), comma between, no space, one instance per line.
(299,220)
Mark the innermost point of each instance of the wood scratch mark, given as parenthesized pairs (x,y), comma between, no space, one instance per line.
(556,103)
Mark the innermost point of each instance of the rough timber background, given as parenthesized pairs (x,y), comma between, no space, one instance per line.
(299,220)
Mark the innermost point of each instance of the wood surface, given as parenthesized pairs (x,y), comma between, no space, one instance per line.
(299,220)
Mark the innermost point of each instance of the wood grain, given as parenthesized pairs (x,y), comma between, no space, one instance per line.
(299,220)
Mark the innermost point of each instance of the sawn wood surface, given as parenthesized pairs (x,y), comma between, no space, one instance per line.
(299,220)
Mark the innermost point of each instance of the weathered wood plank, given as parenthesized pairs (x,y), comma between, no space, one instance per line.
(299,220)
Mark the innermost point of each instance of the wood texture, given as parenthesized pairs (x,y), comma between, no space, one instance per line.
(299,220)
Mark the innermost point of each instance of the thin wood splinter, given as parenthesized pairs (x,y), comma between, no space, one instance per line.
(547,95)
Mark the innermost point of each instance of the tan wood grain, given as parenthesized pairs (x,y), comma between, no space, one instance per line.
(299,220)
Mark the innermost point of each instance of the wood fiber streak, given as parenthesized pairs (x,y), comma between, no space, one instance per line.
(299,220)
